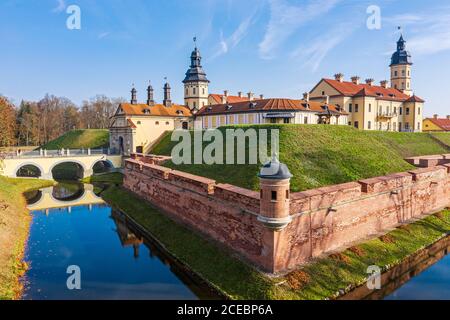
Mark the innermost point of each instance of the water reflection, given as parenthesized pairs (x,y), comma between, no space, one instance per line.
(117,259)
(424,276)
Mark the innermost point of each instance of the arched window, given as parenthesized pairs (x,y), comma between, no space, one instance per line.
(193,91)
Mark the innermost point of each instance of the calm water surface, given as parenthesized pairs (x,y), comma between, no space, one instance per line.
(115,261)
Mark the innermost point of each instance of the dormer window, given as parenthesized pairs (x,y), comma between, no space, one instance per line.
(180,112)
(209,109)
(228,107)
(146,111)
(379,94)
(252,105)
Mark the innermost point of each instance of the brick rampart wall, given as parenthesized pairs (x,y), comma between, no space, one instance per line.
(323,219)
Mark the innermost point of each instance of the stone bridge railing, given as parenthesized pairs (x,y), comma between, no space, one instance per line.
(44,153)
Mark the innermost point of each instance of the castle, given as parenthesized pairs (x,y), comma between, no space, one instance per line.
(136,127)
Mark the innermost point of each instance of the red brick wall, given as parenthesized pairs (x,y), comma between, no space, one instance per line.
(324,219)
(223,212)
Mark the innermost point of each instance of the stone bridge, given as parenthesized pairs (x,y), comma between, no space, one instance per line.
(46,160)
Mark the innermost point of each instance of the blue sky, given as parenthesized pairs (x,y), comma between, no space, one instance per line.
(280,48)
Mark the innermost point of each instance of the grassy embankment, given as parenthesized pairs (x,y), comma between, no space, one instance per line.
(14,227)
(442,136)
(76,139)
(323,155)
(319,280)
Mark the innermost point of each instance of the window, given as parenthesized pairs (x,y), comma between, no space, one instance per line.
(418,111)
(140,149)
(287,194)
(356,107)
(274,196)
(350,108)
(399,126)
(395,109)
(305,120)
(401,110)
(273,120)
(193,91)
(357,124)
(286,120)
(369,125)
(261,194)
(406,125)
(323,93)
(203,91)
(195,104)
(407,112)
(418,125)
(167,123)
(349,123)
(403,73)
(370,107)
(187,91)
(157,123)
(403,85)
(396,73)
(138,122)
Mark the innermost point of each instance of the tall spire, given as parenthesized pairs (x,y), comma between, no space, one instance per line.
(401,56)
(195,72)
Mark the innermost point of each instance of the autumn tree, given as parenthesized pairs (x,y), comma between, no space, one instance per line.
(7,123)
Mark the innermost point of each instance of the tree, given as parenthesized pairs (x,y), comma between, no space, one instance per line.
(7,123)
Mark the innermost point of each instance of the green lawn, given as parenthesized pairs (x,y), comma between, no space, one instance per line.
(77,139)
(319,280)
(14,228)
(443,136)
(320,155)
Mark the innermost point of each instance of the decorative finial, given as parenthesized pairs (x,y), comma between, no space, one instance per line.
(195,42)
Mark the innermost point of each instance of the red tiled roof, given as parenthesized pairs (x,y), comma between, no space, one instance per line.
(230,99)
(269,105)
(415,99)
(363,89)
(155,110)
(444,124)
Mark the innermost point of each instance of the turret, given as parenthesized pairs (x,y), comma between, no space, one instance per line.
(150,100)
(133,95)
(274,179)
(167,101)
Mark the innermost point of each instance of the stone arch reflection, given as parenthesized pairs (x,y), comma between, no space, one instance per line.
(68,192)
(33,197)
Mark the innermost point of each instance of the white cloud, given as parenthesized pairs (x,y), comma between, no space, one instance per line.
(103,35)
(60,7)
(285,19)
(314,52)
(235,38)
(427,33)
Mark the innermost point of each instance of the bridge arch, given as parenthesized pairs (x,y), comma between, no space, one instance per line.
(68,161)
(29,163)
(107,163)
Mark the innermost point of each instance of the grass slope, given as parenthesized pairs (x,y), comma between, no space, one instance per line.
(320,155)
(443,136)
(77,139)
(14,227)
(319,280)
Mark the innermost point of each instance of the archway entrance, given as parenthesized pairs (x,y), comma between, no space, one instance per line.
(29,171)
(68,171)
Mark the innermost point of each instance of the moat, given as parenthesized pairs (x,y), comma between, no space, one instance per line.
(116,262)
(72,226)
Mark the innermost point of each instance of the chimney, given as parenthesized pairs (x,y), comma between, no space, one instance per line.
(133,95)
(384,83)
(435,116)
(448,117)
(240,94)
(339,77)
(370,81)
(261,96)
(225,93)
(150,100)
(327,100)
(250,96)
(224,99)
(306,96)
(355,79)
(167,101)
